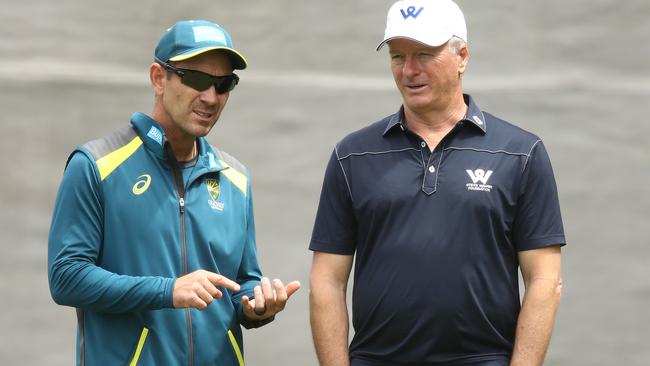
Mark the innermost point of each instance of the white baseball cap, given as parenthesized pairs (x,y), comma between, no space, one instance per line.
(432,22)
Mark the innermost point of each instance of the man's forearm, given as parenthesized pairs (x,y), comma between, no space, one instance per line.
(329,324)
(84,285)
(535,323)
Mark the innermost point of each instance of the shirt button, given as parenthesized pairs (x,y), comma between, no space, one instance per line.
(423,144)
(432,169)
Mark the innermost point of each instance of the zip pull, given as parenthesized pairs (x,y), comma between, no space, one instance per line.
(181,203)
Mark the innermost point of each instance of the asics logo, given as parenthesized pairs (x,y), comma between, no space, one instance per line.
(142,184)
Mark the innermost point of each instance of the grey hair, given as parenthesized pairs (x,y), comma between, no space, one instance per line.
(455,44)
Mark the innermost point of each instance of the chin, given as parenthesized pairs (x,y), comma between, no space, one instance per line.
(203,126)
(203,132)
(198,130)
(416,105)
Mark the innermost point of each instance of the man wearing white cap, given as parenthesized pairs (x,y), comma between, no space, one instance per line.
(153,236)
(440,205)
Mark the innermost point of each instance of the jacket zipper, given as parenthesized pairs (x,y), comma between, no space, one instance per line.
(180,190)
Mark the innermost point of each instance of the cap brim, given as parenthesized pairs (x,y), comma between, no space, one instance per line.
(433,44)
(238,60)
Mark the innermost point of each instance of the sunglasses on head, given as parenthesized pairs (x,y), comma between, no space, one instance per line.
(201,81)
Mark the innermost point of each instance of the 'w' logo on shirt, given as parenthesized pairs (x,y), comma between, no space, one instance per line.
(479,175)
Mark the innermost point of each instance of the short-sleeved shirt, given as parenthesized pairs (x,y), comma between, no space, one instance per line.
(436,236)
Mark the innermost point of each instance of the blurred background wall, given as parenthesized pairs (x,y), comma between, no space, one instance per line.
(575,73)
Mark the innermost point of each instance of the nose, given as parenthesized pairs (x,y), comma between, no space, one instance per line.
(411,66)
(209,96)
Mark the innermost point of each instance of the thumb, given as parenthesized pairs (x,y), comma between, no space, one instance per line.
(292,287)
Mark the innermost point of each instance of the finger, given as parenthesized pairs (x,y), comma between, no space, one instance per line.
(203,294)
(219,280)
(280,292)
(260,305)
(247,303)
(292,288)
(267,290)
(212,289)
(197,302)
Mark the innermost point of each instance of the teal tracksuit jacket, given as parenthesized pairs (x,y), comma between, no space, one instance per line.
(127,221)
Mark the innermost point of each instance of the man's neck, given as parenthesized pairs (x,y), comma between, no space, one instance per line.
(184,151)
(184,146)
(433,124)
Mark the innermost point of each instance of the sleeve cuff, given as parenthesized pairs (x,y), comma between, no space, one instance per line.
(168,294)
(541,242)
(250,324)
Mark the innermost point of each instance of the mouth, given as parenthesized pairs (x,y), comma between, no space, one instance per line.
(207,116)
(414,88)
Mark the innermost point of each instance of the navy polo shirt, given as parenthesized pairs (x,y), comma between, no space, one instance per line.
(436,236)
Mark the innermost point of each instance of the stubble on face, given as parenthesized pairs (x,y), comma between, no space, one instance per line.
(188,113)
(427,77)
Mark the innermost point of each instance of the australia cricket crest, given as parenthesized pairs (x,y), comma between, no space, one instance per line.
(214,190)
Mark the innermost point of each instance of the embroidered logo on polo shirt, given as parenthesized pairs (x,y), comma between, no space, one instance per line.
(214,190)
(479,176)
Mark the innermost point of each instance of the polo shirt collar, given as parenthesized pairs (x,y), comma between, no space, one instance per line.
(395,120)
(474,115)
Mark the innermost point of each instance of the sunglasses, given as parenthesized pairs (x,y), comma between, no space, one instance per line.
(201,81)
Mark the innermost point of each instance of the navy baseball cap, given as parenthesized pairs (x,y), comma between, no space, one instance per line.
(190,38)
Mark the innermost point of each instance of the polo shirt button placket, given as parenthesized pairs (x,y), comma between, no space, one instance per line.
(429,179)
(430,175)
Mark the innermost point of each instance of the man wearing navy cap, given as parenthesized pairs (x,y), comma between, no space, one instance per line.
(440,205)
(152,236)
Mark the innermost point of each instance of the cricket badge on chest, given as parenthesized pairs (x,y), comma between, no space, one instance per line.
(214,190)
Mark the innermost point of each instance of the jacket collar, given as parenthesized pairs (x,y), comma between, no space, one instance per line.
(154,139)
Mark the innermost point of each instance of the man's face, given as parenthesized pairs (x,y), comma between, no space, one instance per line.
(427,77)
(189,113)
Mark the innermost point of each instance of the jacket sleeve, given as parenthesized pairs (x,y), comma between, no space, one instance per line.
(249,274)
(75,246)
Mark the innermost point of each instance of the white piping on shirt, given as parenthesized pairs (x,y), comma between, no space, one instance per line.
(486,151)
(376,152)
(529,153)
(336,151)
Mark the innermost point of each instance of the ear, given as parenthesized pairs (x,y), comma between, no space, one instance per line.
(463,58)
(158,78)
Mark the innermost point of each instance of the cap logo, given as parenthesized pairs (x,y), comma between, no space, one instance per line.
(205,33)
(410,12)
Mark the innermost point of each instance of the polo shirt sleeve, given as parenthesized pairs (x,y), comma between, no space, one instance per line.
(335,228)
(538,222)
